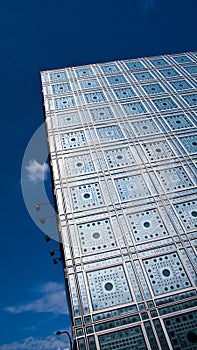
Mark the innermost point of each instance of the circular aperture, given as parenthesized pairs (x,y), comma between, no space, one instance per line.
(96,235)
(86,195)
(119,157)
(194,213)
(79,164)
(108,286)
(194,143)
(166,272)
(158,150)
(192,337)
(73,139)
(146,224)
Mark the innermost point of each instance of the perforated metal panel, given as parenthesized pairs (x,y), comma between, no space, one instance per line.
(169,72)
(174,179)
(158,150)
(133,65)
(108,287)
(131,187)
(84,72)
(187,212)
(57,76)
(109,133)
(124,93)
(68,119)
(112,68)
(191,69)
(153,89)
(178,121)
(64,102)
(181,85)
(166,273)
(182,330)
(116,79)
(165,103)
(81,164)
(182,59)
(158,62)
(143,76)
(87,84)
(73,139)
(119,157)
(191,99)
(147,225)
(101,113)
(145,127)
(86,196)
(134,108)
(96,235)
(129,339)
(61,88)
(190,143)
(95,97)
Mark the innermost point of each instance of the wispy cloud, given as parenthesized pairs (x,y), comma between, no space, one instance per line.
(147,5)
(36,171)
(30,343)
(51,298)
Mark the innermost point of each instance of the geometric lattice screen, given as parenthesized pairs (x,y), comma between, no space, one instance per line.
(123,149)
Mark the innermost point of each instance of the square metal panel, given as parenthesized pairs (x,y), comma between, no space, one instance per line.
(68,119)
(110,133)
(101,113)
(181,85)
(131,187)
(187,212)
(191,69)
(79,165)
(158,62)
(73,139)
(126,339)
(64,102)
(116,79)
(190,143)
(134,108)
(143,76)
(182,59)
(86,196)
(165,103)
(108,287)
(84,72)
(177,122)
(134,65)
(147,225)
(158,150)
(153,89)
(119,157)
(61,88)
(57,76)
(145,127)
(95,97)
(191,99)
(166,273)
(182,330)
(169,72)
(88,84)
(174,179)
(110,68)
(124,93)
(96,235)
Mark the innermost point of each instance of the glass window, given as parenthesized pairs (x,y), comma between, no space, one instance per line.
(57,76)
(158,62)
(87,84)
(84,72)
(61,88)
(64,102)
(124,93)
(191,99)
(191,69)
(112,68)
(134,108)
(182,59)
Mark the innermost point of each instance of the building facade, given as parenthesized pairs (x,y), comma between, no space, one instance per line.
(123,149)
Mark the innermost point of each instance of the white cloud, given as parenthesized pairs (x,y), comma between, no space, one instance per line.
(30,343)
(36,171)
(52,298)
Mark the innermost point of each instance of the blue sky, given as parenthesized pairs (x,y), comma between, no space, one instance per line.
(45,34)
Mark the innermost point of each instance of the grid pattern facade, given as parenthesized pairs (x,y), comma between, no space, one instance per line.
(123,149)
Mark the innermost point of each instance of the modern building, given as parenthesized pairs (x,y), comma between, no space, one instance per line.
(123,145)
